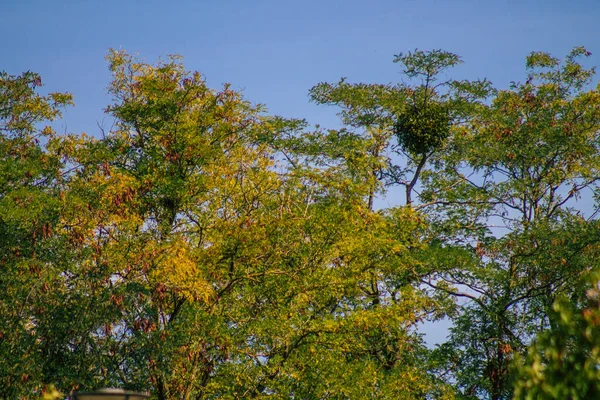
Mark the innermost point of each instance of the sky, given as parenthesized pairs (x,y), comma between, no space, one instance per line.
(276,50)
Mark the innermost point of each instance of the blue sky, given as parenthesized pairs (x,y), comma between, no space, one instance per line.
(275,51)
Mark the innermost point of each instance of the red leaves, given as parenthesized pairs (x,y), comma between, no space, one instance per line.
(160,291)
(125,197)
(76,237)
(105,168)
(144,325)
(46,230)
(116,300)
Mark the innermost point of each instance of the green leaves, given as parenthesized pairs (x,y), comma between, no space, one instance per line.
(563,362)
(30,183)
(509,189)
(21,108)
(203,249)
(421,131)
(427,64)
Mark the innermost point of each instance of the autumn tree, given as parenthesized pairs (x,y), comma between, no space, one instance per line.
(497,175)
(202,258)
(202,248)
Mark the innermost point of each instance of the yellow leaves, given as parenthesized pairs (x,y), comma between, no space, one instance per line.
(51,393)
(178,270)
(97,201)
(117,185)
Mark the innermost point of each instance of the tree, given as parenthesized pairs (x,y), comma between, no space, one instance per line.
(30,183)
(404,132)
(204,249)
(516,171)
(403,120)
(496,173)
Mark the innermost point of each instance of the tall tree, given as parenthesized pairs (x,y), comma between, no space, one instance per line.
(404,132)
(514,231)
(30,183)
(497,173)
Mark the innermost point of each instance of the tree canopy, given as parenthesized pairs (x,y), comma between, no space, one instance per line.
(203,248)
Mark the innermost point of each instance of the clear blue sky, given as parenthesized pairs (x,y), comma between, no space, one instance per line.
(275,50)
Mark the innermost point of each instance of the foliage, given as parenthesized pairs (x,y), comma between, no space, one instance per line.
(204,249)
(497,173)
(531,154)
(563,362)
(406,120)
(189,259)
(30,186)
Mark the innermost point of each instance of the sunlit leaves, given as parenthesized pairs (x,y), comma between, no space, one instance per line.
(427,64)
